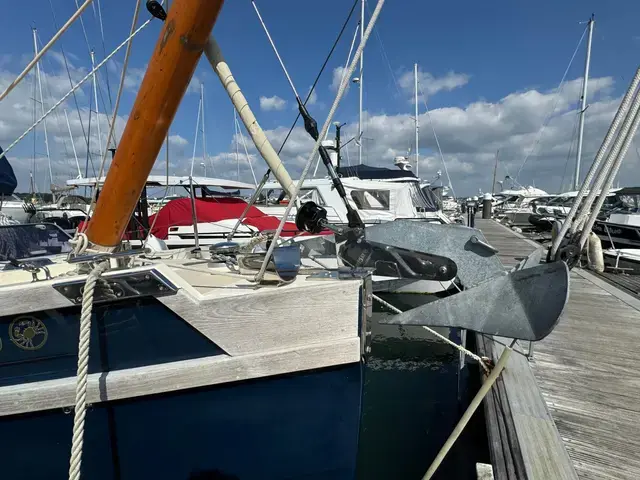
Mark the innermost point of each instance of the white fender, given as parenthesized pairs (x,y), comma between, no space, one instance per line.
(594,253)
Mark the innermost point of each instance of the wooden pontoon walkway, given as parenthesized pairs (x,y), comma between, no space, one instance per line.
(574,411)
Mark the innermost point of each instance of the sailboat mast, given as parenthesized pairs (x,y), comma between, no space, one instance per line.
(95,99)
(236,130)
(204,135)
(415,81)
(361,84)
(174,60)
(583,106)
(44,123)
(495,170)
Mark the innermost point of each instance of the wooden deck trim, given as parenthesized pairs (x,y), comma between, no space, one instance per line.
(524,442)
(500,431)
(173,376)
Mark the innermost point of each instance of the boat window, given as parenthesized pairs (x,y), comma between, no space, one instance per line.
(32,240)
(561,201)
(276,196)
(371,199)
(133,333)
(630,202)
(311,194)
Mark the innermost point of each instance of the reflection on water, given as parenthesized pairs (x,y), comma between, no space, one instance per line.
(411,406)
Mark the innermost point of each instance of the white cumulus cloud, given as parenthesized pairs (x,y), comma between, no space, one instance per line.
(272,103)
(336,79)
(429,84)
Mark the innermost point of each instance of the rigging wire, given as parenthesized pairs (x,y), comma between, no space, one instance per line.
(84,31)
(265,177)
(566,163)
(35,135)
(353,43)
(344,71)
(88,140)
(66,66)
(573,141)
(78,85)
(555,105)
(246,152)
(107,115)
(321,134)
(129,41)
(385,57)
(235,138)
(109,112)
(435,136)
(315,82)
(195,140)
(204,135)
(46,48)
(104,52)
(49,95)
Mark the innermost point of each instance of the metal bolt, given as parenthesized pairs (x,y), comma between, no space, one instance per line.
(147,277)
(118,294)
(443,270)
(78,299)
(65,289)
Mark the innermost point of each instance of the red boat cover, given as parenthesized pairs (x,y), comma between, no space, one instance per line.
(177,213)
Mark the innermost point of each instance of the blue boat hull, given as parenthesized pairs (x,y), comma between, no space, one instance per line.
(297,426)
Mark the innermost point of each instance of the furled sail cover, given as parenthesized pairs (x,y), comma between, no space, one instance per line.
(367,172)
(8,182)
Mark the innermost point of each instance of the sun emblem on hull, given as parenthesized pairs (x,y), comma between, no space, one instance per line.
(28,333)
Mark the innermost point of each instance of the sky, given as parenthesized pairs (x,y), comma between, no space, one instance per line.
(489,74)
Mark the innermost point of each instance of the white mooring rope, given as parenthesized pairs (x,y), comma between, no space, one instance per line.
(82,372)
(325,128)
(441,337)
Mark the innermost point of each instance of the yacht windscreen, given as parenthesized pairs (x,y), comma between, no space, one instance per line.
(630,203)
(32,240)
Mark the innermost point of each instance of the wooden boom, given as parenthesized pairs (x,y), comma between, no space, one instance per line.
(182,40)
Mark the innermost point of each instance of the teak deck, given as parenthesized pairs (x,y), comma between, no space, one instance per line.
(588,374)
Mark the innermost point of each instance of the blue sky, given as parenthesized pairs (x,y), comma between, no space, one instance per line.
(478,59)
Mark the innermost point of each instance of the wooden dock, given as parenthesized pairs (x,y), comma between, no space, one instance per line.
(574,410)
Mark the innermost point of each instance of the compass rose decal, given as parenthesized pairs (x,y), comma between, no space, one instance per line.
(28,333)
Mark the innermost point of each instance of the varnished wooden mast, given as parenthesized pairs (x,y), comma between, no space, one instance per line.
(184,34)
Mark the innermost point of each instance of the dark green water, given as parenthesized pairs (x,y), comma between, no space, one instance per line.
(411,406)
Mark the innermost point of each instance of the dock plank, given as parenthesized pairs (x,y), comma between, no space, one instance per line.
(587,371)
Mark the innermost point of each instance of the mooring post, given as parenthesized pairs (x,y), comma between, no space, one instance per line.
(487,204)
(472,204)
